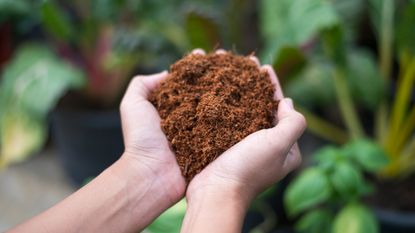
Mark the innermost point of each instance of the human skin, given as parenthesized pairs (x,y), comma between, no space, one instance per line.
(146,180)
(219,196)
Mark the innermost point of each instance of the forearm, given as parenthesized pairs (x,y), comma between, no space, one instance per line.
(215,211)
(123,198)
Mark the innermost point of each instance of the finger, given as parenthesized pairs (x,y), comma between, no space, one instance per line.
(198,51)
(141,85)
(256,60)
(291,125)
(278,95)
(293,159)
(220,51)
(136,111)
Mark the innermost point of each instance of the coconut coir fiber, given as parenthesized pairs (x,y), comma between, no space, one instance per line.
(210,102)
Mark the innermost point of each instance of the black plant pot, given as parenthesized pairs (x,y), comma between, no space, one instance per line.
(87,142)
(395,222)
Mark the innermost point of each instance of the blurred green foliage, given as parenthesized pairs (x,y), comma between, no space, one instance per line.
(328,193)
(32,83)
(314,45)
(169,221)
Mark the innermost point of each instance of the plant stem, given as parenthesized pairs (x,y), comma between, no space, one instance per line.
(405,133)
(346,105)
(401,102)
(385,63)
(386,37)
(381,119)
(323,128)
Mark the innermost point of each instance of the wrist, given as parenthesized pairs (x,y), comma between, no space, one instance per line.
(233,195)
(142,182)
(211,209)
(165,180)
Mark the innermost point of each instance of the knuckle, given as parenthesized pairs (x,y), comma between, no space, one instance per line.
(300,120)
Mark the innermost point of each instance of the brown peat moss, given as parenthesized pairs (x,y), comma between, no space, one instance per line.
(210,102)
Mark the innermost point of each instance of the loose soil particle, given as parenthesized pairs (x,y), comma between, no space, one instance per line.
(210,102)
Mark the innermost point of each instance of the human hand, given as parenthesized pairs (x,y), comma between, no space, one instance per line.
(146,146)
(259,160)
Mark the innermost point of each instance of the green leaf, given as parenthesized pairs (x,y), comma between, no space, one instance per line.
(310,188)
(289,62)
(355,218)
(313,86)
(20,135)
(315,221)
(327,157)
(347,180)
(35,79)
(292,23)
(375,13)
(405,33)
(366,84)
(202,31)
(32,83)
(334,44)
(56,21)
(13,7)
(350,13)
(169,221)
(366,153)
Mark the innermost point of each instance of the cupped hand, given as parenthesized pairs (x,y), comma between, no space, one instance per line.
(146,146)
(260,159)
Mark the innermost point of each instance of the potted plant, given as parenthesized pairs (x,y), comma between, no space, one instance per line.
(89,52)
(332,68)
(104,45)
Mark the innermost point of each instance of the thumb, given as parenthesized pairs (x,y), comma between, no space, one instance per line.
(290,125)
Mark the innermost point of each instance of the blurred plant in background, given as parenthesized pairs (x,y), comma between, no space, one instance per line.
(322,65)
(319,58)
(103,42)
(335,187)
(349,66)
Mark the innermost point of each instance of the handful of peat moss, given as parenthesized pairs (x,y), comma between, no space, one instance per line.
(210,102)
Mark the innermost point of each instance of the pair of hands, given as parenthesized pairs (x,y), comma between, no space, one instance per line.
(243,171)
(147,180)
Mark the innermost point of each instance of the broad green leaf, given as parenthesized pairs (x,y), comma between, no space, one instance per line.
(56,21)
(334,45)
(350,13)
(405,33)
(368,154)
(355,218)
(327,157)
(31,85)
(13,7)
(366,84)
(346,180)
(20,135)
(313,86)
(202,31)
(315,221)
(375,13)
(310,188)
(292,23)
(170,221)
(36,78)
(289,62)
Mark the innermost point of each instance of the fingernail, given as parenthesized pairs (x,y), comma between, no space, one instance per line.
(164,72)
(289,102)
(220,51)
